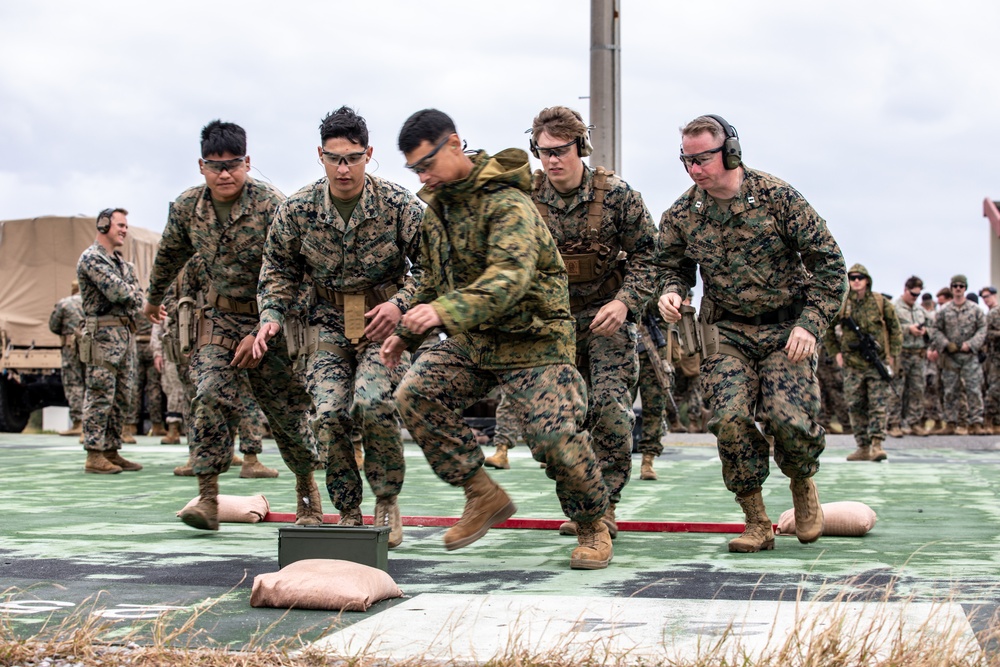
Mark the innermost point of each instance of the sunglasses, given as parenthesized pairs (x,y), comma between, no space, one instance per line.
(699,159)
(219,166)
(958,286)
(427,161)
(856,276)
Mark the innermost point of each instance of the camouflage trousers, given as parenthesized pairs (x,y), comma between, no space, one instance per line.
(833,407)
(147,380)
(655,400)
(783,395)
(108,389)
(507,428)
(251,428)
(610,367)
(218,406)
(991,371)
(180,392)
(962,368)
(353,393)
(907,404)
(933,392)
(868,403)
(548,402)
(74,381)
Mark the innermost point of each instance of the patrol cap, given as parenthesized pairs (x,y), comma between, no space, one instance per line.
(959,278)
(989,288)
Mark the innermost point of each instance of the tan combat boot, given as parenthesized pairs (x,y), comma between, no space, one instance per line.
(895,432)
(486,505)
(204,515)
(919,430)
(157,429)
(351,517)
(836,428)
(186,470)
(595,550)
(75,429)
(962,429)
(98,464)
(173,436)
(254,469)
(236,460)
(128,434)
(877,453)
(499,459)
(309,505)
(979,429)
(758,533)
(567,528)
(387,514)
(610,521)
(808,512)
(647,471)
(947,428)
(676,426)
(114,456)
(862,453)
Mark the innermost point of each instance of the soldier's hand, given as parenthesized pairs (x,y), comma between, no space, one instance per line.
(243,357)
(966,347)
(840,360)
(158,363)
(156,314)
(267,331)
(800,346)
(932,355)
(384,318)
(391,351)
(670,305)
(421,318)
(916,330)
(609,318)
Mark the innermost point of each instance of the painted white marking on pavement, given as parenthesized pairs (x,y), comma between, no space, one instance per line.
(477,628)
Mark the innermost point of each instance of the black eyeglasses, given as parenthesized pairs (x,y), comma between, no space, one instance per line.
(427,161)
(958,286)
(856,276)
(554,151)
(699,159)
(219,166)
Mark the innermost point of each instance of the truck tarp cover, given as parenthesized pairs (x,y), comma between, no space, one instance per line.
(38,262)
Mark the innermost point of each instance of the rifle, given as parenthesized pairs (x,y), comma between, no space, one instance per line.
(869,349)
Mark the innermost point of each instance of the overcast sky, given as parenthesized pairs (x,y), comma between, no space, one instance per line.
(882,113)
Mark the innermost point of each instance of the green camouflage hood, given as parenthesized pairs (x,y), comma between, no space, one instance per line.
(859,268)
(508,168)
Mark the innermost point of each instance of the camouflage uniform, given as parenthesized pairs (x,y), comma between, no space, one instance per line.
(765,252)
(495,277)
(833,407)
(110,289)
(232,250)
(609,364)
(866,392)
(992,366)
(953,326)
(345,378)
(932,376)
(911,366)
(146,377)
(64,320)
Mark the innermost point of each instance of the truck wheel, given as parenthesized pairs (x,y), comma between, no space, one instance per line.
(13,414)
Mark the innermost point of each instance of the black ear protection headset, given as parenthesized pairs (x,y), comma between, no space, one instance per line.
(583,145)
(105,216)
(732,154)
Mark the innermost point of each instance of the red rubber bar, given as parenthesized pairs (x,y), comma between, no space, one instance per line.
(541,524)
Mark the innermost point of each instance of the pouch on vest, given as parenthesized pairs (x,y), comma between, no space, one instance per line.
(187,324)
(171,348)
(295,336)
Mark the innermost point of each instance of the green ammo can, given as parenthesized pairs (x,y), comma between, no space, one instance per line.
(368,545)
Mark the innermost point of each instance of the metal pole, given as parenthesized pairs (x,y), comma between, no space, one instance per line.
(605,94)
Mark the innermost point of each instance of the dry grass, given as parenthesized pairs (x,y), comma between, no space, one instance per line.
(828,635)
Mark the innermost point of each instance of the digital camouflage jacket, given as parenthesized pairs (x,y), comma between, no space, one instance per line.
(491,269)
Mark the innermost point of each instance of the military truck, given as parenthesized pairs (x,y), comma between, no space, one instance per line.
(37,265)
